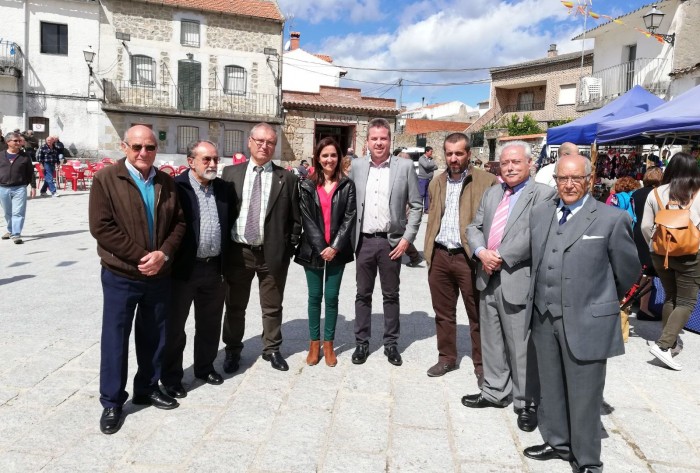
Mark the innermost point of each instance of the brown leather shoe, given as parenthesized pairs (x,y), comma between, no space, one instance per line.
(314,353)
(329,353)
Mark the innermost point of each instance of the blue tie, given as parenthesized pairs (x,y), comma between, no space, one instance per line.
(565,212)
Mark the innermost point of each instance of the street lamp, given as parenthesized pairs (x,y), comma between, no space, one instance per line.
(652,21)
(89,55)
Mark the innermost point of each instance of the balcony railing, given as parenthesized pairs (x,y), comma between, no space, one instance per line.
(607,84)
(173,99)
(523,107)
(10,59)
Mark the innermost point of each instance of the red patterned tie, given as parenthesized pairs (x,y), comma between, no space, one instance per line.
(499,221)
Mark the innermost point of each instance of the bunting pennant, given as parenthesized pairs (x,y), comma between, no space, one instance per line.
(582,9)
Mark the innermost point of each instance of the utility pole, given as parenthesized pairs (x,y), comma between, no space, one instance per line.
(400,84)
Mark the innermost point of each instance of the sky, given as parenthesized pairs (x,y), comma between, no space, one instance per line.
(380,42)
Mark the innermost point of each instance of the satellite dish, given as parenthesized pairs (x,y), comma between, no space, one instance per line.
(287,45)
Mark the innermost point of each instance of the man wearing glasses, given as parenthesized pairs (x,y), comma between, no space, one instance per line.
(265,233)
(583,262)
(136,219)
(198,269)
(16,171)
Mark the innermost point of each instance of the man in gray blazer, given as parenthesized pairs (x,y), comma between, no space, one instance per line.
(583,262)
(385,185)
(500,236)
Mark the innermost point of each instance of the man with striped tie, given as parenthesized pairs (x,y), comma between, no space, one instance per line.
(500,236)
(454,199)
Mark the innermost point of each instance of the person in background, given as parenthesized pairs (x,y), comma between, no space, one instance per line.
(426,170)
(681,279)
(16,172)
(3,143)
(49,156)
(622,198)
(303,169)
(346,165)
(546,174)
(351,153)
(414,256)
(239,158)
(328,210)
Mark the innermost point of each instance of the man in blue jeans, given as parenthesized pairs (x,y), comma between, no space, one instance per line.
(426,168)
(49,156)
(16,171)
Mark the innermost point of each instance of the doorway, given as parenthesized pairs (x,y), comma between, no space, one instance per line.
(189,83)
(344,135)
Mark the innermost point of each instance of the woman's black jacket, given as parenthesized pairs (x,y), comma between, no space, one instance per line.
(313,241)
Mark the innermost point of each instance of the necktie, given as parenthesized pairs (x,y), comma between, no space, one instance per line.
(499,221)
(252,222)
(565,212)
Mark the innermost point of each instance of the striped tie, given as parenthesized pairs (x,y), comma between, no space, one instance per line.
(252,223)
(499,221)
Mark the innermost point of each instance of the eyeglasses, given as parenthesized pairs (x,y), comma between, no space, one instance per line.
(137,148)
(208,160)
(573,179)
(10,141)
(264,143)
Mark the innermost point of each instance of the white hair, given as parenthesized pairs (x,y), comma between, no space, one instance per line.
(527,149)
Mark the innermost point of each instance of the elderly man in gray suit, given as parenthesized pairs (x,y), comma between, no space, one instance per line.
(500,236)
(583,262)
(385,185)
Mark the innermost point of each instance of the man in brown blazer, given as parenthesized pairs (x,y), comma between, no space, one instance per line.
(454,200)
(265,233)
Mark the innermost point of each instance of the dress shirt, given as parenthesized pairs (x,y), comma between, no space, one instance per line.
(148,193)
(517,192)
(575,207)
(377,217)
(209,228)
(449,235)
(238,229)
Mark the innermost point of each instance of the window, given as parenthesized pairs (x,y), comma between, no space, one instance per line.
(189,33)
(567,94)
(185,136)
(233,142)
(143,71)
(42,130)
(54,38)
(525,101)
(234,80)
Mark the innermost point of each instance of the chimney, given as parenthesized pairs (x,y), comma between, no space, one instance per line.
(552,52)
(294,42)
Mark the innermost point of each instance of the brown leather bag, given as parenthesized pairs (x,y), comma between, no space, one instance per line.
(675,233)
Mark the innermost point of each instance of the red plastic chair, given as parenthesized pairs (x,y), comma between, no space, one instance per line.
(181,169)
(167,168)
(107,161)
(70,174)
(40,170)
(97,166)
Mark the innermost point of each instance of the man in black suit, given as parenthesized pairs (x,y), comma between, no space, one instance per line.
(265,233)
(198,268)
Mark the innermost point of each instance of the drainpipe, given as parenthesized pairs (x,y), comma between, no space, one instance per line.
(25,66)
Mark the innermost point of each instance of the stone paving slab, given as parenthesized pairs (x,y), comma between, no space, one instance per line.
(374,417)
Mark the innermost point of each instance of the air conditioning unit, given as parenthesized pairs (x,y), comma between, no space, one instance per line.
(592,89)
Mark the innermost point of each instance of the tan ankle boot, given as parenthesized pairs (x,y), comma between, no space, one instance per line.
(314,353)
(329,353)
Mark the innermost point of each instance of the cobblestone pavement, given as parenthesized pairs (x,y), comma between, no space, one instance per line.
(374,417)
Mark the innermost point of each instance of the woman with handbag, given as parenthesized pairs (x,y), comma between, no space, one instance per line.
(327,202)
(679,273)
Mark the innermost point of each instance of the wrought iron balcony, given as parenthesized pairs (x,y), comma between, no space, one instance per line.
(10,59)
(607,84)
(523,107)
(174,100)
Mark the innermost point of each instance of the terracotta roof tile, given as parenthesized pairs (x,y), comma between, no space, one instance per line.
(417,126)
(338,98)
(523,137)
(265,9)
(325,57)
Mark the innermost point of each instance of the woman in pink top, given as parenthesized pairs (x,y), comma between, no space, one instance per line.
(327,202)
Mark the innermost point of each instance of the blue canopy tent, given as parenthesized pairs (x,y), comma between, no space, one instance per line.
(679,117)
(584,130)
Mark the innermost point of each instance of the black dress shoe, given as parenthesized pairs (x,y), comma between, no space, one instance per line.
(527,419)
(478,401)
(156,399)
(175,390)
(545,452)
(276,360)
(392,354)
(361,353)
(212,378)
(111,420)
(231,362)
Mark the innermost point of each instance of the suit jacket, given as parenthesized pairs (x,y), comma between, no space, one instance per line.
(404,191)
(473,188)
(600,264)
(282,221)
(225,204)
(515,246)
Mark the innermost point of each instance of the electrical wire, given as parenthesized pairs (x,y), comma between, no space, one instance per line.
(377,69)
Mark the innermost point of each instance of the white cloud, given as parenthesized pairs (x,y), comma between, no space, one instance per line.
(316,11)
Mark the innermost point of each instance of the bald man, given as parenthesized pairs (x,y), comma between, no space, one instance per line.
(138,224)
(546,174)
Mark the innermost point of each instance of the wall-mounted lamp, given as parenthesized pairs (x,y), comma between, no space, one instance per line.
(652,21)
(270,52)
(89,55)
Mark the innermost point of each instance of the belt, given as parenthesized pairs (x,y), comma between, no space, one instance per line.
(208,259)
(375,235)
(451,251)
(251,247)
